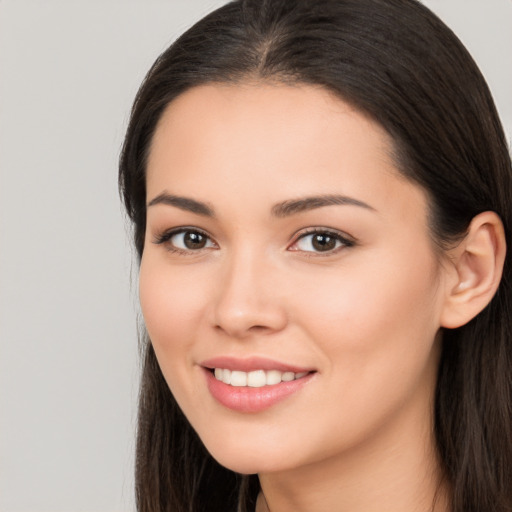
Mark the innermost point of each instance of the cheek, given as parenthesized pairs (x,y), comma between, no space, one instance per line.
(376,316)
(375,332)
(172,304)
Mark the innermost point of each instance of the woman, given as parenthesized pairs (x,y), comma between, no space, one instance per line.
(320,194)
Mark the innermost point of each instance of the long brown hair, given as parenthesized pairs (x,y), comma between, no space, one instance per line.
(398,63)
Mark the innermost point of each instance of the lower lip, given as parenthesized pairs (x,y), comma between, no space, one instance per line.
(247,399)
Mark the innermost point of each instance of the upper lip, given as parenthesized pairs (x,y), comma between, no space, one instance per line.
(251,364)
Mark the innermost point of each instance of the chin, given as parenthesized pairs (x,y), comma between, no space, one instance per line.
(249,461)
(248,465)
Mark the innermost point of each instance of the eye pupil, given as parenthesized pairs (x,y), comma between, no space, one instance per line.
(194,240)
(323,242)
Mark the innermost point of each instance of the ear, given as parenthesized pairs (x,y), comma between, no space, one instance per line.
(476,266)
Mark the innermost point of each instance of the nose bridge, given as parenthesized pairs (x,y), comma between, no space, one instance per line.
(247,301)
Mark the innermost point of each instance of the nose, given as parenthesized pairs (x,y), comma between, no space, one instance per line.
(249,301)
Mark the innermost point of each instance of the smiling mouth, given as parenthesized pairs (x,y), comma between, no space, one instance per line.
(255,378)
(253,385)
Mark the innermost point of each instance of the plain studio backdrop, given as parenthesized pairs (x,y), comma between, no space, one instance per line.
(68,357)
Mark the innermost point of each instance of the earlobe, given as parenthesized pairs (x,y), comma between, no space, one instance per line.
(477,266)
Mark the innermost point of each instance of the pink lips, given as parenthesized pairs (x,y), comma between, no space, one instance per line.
(251,363)
(247,399)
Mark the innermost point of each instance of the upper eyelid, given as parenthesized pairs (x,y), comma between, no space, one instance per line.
(331,231)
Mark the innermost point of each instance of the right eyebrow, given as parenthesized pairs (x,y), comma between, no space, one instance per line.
(184,203)
(294,206)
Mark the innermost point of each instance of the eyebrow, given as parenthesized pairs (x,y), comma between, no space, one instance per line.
(293,206)
(283,209)
(184,203)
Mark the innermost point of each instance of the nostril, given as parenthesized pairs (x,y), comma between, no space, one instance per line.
(253,329)
(258,328)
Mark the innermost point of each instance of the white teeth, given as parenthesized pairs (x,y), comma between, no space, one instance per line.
(288,376)
(256,378)
(273,377)
(226,376)
(238,379)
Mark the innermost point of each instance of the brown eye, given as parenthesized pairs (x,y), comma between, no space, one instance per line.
(321,242)
(185,240)
(194,240)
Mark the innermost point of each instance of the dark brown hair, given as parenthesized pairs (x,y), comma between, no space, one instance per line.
(398,63)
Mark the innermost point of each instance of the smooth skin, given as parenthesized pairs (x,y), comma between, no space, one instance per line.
(364,310)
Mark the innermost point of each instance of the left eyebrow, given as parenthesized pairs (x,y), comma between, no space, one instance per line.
(184,203)
(293,206)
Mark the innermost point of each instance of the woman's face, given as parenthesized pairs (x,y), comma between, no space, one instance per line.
(284,249)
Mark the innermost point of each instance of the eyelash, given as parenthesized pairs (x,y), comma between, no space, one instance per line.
(344,241)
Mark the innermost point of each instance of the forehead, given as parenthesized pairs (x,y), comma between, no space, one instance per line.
(263,113)
(225,141)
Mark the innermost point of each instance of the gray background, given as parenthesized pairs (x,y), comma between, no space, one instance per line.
(68,354)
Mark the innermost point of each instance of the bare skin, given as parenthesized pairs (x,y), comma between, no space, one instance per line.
(350,288)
